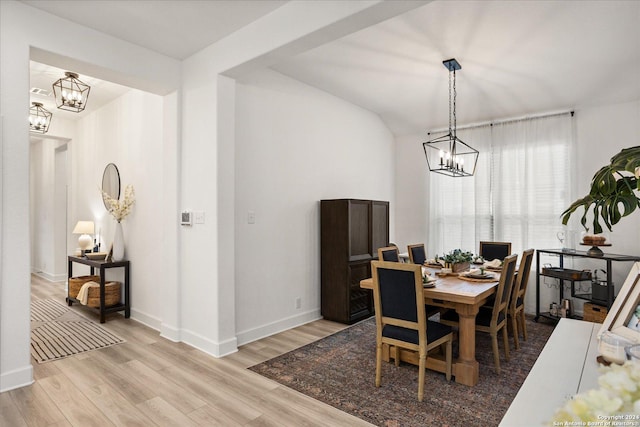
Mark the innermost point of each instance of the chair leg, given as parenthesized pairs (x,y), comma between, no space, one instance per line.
(449,357)
(421,375)
(496,355)
(378,363)
(523,325)
(505,338)
(514,328)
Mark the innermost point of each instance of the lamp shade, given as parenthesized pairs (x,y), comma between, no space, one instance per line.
(84,228)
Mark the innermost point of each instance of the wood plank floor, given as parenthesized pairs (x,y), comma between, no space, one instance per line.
(150,381)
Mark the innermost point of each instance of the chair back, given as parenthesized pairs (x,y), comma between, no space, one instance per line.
(505,286)
(520,285)
(397,296)
(495,250)
(390,253)
(417,254)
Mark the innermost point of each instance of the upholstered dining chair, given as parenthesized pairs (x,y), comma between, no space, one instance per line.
(495,250)
(493,319)
(401,321)
(417,254)
(390,253)
(516,304)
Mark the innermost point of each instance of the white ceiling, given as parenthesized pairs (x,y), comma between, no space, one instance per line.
(176,28)
(43,76)
(518,57)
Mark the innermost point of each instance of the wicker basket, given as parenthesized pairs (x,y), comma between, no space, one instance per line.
(594,313)
(75,283)
(111,295)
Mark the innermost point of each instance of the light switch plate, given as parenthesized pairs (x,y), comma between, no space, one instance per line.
(251,217)
(198,217)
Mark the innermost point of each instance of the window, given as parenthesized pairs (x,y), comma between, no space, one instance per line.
(520,188)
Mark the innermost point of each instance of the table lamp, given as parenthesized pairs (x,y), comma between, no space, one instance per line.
(84,228)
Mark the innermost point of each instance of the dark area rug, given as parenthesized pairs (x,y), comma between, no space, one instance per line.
(340,371)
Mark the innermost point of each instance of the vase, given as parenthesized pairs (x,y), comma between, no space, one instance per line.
(118,244)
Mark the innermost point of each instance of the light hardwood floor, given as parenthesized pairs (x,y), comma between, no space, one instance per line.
(151,381)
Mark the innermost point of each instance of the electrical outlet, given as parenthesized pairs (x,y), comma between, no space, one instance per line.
(298,303)
(251,217)
(198,217)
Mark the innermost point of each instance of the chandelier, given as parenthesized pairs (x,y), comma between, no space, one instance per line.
(39,118)
(70,93)
(448,154)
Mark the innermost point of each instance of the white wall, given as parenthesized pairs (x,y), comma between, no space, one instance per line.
(48,182)
(412,191)
(295,145)
(25,31)
(196,266)
(600,131)
(126,132)
(208,295)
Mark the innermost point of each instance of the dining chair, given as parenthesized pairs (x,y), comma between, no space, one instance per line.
(493,319)
(401,321)
(417,254)
(516,303)
(495,250)
(389,253)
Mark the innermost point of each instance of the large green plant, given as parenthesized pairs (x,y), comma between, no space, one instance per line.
(612,194)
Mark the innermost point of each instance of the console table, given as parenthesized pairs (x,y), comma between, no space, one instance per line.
(566,366)
(562,254)
(102,266)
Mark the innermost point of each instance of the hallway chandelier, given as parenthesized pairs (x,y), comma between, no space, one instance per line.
(71,94)
(448,154)
(39,118)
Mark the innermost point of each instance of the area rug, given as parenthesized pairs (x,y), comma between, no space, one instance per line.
(57,332)
(340,371)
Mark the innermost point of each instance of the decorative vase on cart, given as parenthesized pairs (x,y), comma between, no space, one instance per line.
(118,243)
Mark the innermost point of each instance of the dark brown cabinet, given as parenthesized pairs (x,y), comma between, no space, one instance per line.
(351,231)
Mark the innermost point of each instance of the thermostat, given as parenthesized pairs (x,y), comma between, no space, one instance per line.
(185,218)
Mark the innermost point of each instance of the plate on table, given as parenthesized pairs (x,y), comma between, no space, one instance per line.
(480,275)
(433,265)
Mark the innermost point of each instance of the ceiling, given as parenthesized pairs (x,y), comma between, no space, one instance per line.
(518,58)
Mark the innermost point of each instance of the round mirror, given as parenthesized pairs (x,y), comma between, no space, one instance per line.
(111,183)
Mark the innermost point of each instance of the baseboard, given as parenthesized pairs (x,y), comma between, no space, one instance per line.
(215,349)
(16,379)
(146,319)
(255,334)
(170,333)
(50,277)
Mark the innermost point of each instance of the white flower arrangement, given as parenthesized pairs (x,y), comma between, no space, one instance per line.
(618,397)
(120,209)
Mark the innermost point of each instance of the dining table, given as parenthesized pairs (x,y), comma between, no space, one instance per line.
(465,296)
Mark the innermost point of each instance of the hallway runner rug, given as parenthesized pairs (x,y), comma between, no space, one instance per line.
(58,332)
(340,371)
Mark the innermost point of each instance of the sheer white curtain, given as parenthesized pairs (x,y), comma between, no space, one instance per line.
(520,188)
(460,208)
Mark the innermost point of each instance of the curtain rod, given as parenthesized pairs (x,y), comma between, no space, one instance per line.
(506,121)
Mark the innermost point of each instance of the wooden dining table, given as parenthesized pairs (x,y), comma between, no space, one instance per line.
(465,297)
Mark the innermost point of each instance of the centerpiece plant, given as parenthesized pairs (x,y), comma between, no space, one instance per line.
(457,260)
